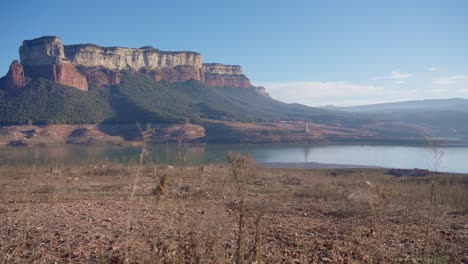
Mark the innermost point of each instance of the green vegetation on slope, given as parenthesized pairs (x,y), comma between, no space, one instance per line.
(46,102)
(141,99)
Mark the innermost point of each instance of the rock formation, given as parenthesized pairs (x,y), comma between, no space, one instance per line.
(85,65)
(45,57)
(262,90)
(100,77)
(116,58)
(42,51)
(66,73)
(217,74)
(218,68)
(176,74)
(14,80)
(234,80)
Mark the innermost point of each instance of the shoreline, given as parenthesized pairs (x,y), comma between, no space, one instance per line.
(229,133)
(314,165)
(134,143)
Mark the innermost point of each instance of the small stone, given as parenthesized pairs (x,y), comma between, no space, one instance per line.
(185,188)
(227,244)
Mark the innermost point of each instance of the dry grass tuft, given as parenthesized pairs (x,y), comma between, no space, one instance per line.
(228,213)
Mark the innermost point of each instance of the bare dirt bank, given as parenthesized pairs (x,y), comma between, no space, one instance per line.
(213,132)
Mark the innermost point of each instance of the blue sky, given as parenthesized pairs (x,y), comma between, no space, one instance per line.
(312,52)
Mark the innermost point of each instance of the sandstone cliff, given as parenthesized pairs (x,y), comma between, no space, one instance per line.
(45,57)
(218,68)
(85,65)
(233,80)
(116,58)
(217,74)
(14,81)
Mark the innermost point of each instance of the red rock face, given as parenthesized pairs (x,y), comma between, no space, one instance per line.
(176,74)
(47,57)
(67,74)
(185,73)
(103,77)
(63,73)
(233,80)
(14,80)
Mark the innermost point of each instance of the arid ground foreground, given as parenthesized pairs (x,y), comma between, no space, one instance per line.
(230,213)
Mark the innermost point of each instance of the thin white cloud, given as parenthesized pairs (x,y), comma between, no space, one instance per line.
(432,69)
(463,90)
(317,93)
(451,79)
(395,75)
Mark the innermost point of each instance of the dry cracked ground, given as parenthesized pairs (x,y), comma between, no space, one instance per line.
(230,213)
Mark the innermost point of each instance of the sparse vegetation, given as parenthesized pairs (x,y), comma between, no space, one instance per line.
(81,213)
(244,172)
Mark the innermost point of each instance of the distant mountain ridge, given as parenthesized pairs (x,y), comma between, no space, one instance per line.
(453,104)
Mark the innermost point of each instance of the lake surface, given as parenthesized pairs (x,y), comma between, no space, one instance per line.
(455,159)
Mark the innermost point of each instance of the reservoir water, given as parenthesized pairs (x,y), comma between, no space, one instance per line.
(454,159)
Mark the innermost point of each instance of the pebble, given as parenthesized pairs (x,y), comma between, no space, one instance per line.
(227,244)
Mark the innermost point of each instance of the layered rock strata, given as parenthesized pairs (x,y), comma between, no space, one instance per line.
(85,65)
(218,68)
(45,57)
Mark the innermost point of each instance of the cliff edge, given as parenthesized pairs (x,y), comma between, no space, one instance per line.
(88,65)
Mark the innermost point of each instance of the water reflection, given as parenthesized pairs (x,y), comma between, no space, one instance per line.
(386,156)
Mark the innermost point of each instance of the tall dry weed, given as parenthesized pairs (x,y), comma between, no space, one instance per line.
(243,171)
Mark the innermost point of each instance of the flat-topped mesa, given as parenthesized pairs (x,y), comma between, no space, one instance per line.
(47,57)
(105,63)
(116,58)
(40,51)
(217,74)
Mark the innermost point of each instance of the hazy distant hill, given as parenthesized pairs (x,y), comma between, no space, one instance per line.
(440,117)
(453,104)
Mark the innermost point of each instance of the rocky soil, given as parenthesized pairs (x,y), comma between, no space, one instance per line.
(114,213)
(95,134)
